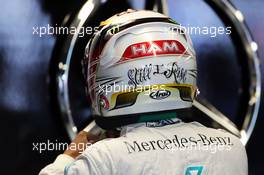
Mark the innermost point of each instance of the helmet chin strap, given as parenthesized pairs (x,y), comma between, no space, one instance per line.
(149,117)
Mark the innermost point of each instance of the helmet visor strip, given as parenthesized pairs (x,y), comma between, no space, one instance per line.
(128,97)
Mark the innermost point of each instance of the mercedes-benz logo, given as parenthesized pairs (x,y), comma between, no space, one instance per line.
(247,46)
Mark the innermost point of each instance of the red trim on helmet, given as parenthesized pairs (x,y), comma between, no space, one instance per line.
(153,48)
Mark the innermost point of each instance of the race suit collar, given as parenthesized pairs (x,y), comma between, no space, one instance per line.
(152,124)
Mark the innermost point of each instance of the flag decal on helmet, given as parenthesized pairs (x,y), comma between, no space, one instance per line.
(153,48)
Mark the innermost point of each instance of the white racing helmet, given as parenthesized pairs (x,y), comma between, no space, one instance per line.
(138,62)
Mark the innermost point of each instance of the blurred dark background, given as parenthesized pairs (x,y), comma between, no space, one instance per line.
(28,111)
